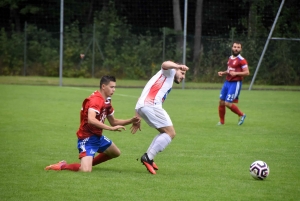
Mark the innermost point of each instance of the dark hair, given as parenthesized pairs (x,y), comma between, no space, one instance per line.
(106,79)
(236,42)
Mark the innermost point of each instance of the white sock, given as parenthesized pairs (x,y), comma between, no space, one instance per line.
(159,144)
(152,143)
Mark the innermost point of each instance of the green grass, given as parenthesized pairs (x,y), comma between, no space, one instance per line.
(203,162)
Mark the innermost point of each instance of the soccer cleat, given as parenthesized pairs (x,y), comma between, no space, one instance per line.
(154,165)
(219,124)
(242,119)
(56,166)
(148,163)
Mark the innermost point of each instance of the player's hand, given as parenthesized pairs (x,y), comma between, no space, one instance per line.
(183,67)
(118,128)
(135,127)
(136,119)
(232,73)
(220,73)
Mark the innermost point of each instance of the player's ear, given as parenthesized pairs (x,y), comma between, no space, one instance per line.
(102,86)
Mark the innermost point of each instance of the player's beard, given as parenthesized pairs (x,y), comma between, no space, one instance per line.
(235,53)
(176,80)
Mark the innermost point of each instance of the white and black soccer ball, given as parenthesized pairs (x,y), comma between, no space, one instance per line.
(259,170)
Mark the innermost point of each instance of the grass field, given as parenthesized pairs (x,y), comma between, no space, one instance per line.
(203,162)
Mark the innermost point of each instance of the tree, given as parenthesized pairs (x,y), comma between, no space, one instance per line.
(17,8)
(177,23)
(198,35)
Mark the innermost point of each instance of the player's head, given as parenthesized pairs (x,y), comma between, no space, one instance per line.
(236,48)
(107,85)
(179,75)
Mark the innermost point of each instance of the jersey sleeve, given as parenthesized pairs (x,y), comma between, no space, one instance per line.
(244,63)
(110,110)
(169,72)
(95,105)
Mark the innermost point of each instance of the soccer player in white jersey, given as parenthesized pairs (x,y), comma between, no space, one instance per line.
(149,107)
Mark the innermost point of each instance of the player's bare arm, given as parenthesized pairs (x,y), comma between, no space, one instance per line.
(95,122)
(172,65)
(220,73)
(242,74)
(113,121)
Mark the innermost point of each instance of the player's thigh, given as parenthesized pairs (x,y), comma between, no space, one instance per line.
(113,151)
(224,91)
(86,164)
(88,146)
(169,130)
(155,117)
(233,91)
(104,144)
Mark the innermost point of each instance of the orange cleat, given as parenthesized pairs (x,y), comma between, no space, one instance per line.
(154,166)
(56,166)
(148,163)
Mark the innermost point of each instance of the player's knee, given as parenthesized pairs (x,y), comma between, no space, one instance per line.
(168,130)
(117,153)
(227,104)
(86,169)
(172,134)
(221,102)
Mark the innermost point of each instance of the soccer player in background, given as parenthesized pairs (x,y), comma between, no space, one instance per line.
(237,69)
(149,107)
(95,109)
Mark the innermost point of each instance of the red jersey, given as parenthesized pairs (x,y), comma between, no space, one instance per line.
(102,108)
(236,64)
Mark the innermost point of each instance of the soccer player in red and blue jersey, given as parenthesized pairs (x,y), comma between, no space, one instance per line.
(95,109)
(237,69)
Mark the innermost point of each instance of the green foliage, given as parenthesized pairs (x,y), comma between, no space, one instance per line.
(42,52)
(214,58)
(72,51)
(4,55)
(110,32)
(282,70)
(11,53)
(112,47)
(139,65)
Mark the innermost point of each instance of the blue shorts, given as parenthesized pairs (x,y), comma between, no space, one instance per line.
(89,146)
(230,91)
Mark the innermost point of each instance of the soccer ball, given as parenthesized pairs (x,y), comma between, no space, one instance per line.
(259,170)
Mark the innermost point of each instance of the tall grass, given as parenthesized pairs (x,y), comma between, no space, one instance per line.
(203,162)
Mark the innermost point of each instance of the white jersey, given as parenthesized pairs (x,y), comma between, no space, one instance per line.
(157,89)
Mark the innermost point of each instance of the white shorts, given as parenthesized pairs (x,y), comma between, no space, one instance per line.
(155,117)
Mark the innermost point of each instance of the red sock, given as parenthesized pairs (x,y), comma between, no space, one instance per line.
(222,111)
(102,157)
(73,167)
(236,110)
